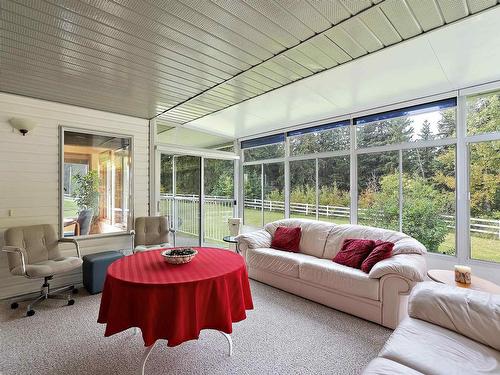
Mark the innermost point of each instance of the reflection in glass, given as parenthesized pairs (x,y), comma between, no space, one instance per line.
(96,184)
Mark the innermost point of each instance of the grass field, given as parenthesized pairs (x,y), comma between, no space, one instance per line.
(70,208)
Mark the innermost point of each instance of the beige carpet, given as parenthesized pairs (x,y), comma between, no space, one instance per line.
(284,334)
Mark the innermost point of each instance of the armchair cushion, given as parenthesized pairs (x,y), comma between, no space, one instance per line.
(411,266)
(471,313)
(49,267)
(142,248)
(151,230)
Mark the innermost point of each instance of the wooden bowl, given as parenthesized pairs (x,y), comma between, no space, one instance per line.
(179,256)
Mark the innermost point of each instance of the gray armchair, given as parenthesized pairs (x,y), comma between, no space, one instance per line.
(152,232)
(33,252)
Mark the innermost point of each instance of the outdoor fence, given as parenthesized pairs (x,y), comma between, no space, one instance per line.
(219,209)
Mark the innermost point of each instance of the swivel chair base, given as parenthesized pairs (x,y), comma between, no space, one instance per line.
(46,293)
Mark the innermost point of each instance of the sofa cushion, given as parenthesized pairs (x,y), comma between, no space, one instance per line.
(331,275)
(314,234)
(287,239)
(403,244)
(434,350)
(277,261)
(383,366)
(381,251)
(472,313)
(354,252)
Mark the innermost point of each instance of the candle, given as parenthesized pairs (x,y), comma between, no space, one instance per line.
(463,274)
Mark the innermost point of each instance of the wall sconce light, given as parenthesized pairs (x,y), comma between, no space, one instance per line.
(24,125)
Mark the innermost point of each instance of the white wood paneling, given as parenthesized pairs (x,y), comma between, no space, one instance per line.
(29,170)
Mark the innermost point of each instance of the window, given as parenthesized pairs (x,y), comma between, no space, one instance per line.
(274,183)
(270,147)
(329,137)
(333,189)
(303,189)
(252,185)
(483,113)
(96,183)
(418,123)
(378,189)
(484,203)
(429,197)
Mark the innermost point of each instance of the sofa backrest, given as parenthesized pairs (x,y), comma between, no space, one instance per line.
(403,244)
(314,234)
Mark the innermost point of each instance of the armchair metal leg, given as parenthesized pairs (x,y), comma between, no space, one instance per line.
(46,293)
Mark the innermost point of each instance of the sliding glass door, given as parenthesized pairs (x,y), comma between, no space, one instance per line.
(197,195)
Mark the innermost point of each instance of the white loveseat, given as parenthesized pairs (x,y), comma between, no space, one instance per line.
(380,296)
(449,330)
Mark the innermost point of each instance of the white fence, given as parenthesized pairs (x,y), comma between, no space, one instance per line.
(185,214)
(219,209)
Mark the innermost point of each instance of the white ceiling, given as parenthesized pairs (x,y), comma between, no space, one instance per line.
(455,56)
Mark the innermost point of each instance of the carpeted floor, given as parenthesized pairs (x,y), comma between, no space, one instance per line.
(284,334)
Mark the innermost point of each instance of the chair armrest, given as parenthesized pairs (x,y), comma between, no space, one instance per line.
(73,241)
(410,266)
(21,252)
(468,312)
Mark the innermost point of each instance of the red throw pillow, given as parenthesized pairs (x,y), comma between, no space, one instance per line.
(287,238)
(354,252)
(381,251)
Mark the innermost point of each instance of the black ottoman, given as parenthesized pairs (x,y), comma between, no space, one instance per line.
(95,267)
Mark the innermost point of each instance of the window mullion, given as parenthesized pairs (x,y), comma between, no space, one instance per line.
(462,241)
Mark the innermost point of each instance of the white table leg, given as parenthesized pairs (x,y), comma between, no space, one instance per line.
(145,357)
(230,342)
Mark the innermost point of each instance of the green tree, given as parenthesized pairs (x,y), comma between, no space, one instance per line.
(86,191)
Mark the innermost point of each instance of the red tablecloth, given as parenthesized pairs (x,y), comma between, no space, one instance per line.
(175,302)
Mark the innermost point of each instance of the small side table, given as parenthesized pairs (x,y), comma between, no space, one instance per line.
(232,239)
(448,277)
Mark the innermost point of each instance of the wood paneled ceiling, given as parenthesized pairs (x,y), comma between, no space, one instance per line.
(180,60)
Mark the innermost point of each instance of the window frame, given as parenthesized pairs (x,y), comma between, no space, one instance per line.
(131,216)
(461,140)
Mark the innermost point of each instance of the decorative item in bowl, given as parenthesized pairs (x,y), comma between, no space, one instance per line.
(179,256)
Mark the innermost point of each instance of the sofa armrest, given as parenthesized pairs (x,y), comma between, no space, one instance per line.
(254,240)
(469,312)
(410,266)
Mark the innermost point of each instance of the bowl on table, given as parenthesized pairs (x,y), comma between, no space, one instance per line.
(179,256)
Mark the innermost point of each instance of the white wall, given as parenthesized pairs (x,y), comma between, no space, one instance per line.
(29,174)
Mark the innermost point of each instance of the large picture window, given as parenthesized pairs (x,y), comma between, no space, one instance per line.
(400,167)
(96,188)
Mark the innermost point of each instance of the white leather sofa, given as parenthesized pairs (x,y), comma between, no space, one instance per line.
(380,296)
(449,331)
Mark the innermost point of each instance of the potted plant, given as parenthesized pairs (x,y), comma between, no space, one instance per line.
(86,194)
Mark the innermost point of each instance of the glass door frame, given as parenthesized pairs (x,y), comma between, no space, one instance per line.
(203,154)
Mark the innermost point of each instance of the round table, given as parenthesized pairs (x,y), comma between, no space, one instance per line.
(448,277)
(175,302)
(232,239)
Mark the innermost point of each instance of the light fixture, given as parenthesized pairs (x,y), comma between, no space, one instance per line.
(24,125)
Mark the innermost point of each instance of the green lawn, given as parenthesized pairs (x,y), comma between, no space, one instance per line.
(70,208)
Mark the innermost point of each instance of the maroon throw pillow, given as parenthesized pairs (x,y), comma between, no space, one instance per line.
(381,251)
(354,252)
(287,238)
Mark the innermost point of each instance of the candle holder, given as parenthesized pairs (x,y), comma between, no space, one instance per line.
(463,274)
